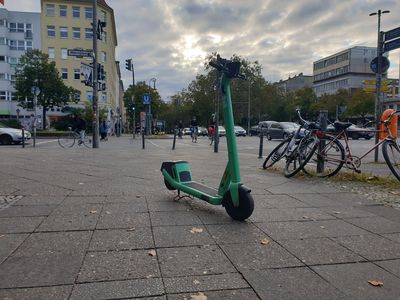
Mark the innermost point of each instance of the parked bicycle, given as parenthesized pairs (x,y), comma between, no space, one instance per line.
(68,139)
(329,156)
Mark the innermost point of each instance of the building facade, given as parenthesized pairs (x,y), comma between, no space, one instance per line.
(343,70)
(19,32)
(295,83)
(67,25)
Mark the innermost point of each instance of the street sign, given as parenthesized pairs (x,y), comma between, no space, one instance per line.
(35,90)
(373,82)
(388,46)
(146,99)
(385,64)
(391,34)
(80,52)
(384,89)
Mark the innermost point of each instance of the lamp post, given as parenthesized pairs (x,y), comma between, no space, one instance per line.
(95,138)
(379,52)
(248,112)
(148,115)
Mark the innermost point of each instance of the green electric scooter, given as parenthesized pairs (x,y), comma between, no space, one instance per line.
(231,193)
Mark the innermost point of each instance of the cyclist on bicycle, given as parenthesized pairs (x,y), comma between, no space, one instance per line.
(79,126)
(194,129)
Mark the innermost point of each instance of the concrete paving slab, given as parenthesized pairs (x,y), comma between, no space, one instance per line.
(80,200)
(279,201)
(352,279)
(392,266)
(45,259)
(342,212)
(168,205)
(42,189)
(376,224)
(176,236)
(187,261)
(213,215)
(124,199)
(289,214)
(118,265)
(393,237)
(256,256)
(19,224)
(118,289)
(318,200)
(236,233)
(371,246)
(292,230)
(66,208)
(204,283)
(10,242)
(320,251)
(170,218)
(115,221)
(350,199)
(41,200)
(59,222)
(291,283)
(27,210)
(384,211)
(53,292)
(122,239)
(124,208)
(242,294)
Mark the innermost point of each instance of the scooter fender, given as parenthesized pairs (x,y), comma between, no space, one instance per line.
(234,191)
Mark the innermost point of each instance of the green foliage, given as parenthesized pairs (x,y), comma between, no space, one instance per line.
(12,123)
(34,69)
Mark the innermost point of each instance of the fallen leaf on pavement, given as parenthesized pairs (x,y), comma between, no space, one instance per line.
(264,241)
(152,253)
(306,217)
(375,282)
(93,211)
(196,281)
(131,229)
(196,230)
(199,296)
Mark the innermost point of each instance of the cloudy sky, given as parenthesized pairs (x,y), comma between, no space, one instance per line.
(169,39)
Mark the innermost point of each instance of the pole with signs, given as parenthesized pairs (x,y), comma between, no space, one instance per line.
(35,91)
(95,80)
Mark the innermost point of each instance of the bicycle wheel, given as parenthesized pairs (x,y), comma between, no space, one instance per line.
(66,140)
(391,153)
(87,141)
(300,156)
(331,156)
(276,154)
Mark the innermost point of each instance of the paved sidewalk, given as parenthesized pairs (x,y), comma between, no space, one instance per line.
(99,224)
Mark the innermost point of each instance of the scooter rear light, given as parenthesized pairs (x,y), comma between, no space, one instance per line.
(320,134)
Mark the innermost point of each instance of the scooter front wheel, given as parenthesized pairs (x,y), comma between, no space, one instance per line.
(246,204)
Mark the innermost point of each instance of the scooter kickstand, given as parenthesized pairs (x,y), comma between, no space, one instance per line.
(179,197)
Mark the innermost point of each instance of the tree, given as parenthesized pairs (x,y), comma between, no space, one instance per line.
(34,69)
(361,104)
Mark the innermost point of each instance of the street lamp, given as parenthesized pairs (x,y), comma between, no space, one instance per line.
(149,128)
(379,53)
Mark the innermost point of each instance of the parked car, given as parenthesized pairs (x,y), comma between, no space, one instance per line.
(264,126)
(186,131)
(354,132)
(221,131)
(10,135)
(280,130)
(240,131)
(202,131)
(254,130)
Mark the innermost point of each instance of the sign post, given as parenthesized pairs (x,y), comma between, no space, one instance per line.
(35,91)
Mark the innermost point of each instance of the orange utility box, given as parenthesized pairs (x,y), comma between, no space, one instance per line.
(392,125)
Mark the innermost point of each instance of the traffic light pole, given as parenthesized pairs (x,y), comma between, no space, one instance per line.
(95,126)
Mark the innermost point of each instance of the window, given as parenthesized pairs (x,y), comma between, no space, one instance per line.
(103,56)
(29,45)
(63,32)
(3,95)
(52,52)
(89,95)
(64,53)
(76,11)
(28,31)
(3,22)
(88,13)
(13,45)
(103,16)
(51,31)
(21,45)
(77,96)
(64,73)
(77,74)
(50,10)
(63,10)
(76,32)
(104,37)
(20,27)
(88,33)
(2,58)
(13,61)
(3,41)
(13,27)
(2,76)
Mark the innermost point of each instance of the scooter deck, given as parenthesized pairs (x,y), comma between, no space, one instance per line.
(202,188)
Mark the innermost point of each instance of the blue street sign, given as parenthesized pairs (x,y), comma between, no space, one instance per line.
(394,44)
(391,34)
(146,99)
(385,64)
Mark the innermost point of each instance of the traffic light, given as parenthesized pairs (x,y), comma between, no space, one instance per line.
(128,64)
(101,74)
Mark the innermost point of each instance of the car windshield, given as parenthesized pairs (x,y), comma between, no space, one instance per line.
(239,128)
(290,125)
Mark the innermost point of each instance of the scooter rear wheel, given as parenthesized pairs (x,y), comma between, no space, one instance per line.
(246,204)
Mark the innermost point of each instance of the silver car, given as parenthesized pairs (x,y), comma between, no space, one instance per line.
(10,135)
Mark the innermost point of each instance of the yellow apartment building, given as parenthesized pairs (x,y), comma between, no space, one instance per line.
(66,24)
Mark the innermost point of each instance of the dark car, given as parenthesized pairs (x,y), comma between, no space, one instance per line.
(354,132)
(264,126)
(281,130)
(254,130)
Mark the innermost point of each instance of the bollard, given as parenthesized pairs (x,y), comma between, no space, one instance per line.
(143,145)
(23,137)
(323,123)
(260,150)
(173,143)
